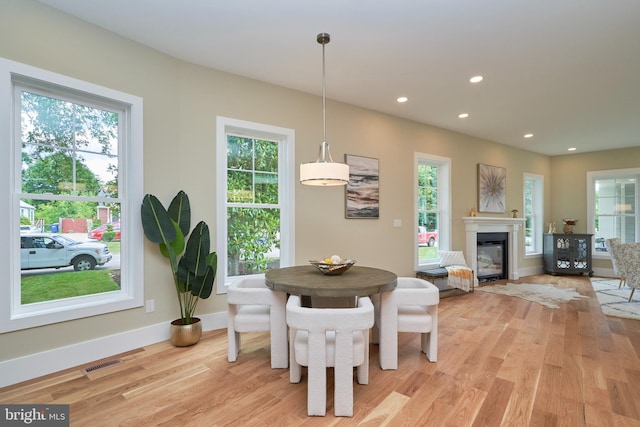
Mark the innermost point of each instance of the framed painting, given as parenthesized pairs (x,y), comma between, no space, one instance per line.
(362,194)
(492,189)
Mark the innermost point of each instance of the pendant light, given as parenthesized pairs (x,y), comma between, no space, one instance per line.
(324,171)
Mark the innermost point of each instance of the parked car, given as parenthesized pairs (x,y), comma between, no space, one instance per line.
(48,250)
(427,237)
(96,233)
(600,246)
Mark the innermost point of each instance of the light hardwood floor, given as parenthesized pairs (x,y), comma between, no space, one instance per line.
(502,361)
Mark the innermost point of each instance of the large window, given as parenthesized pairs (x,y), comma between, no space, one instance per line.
(67,165)
(433,212)
(533,191)
(612,197)
(255,175)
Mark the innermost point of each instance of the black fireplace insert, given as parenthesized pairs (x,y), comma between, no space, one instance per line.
(492,256)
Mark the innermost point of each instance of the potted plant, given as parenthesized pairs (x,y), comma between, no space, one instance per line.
(193,267)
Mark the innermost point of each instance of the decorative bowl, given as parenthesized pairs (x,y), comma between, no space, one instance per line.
(333,269)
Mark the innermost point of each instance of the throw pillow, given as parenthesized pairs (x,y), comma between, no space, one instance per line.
(451,258)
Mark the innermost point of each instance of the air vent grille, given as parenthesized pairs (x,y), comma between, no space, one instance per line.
(102,365)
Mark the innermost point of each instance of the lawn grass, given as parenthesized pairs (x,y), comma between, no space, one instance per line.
(59,285)
(114,246)
(427,252)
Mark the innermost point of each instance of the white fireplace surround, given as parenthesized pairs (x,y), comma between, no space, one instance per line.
(479,224)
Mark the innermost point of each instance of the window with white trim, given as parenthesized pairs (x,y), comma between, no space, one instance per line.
(71,163)
(432,183)
(255,205)
(533,211)
(612,200)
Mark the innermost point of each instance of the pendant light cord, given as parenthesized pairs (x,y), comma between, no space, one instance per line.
(324,97)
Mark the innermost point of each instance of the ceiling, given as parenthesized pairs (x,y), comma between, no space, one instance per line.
(566,71)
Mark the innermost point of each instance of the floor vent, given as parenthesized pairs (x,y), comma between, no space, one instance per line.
(102,365)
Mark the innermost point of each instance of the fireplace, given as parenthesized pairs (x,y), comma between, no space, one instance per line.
(511,226)
(493,256)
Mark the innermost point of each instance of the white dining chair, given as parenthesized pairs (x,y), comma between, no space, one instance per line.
(252,307)
(630,257)
(329,337)
(613,247)
(411,307)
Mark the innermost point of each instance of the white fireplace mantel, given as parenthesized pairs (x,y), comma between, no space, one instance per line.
(480,224)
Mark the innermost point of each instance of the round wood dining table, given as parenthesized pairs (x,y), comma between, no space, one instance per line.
(309,281)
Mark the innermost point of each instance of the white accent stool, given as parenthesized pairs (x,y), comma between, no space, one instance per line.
(329,337)
(255,308)
(411,307)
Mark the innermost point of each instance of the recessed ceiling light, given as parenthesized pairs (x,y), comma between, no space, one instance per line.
(463,115)
(528,135)
(476,79)
(572,149)
(402,99)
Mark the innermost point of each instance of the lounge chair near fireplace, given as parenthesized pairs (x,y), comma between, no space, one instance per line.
(453,268)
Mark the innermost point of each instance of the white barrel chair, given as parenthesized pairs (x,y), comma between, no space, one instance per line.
(411,307)
(252,307)
(329,337)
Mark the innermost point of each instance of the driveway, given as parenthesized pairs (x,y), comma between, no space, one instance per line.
(114,264)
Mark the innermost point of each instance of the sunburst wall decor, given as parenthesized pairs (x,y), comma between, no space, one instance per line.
(492,189)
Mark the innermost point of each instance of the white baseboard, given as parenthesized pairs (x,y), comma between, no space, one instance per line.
(36,365)
(530,271)
(604,272)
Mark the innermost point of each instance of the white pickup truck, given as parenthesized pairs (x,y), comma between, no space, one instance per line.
(48,250)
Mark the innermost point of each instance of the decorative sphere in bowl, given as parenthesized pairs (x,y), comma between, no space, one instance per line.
(330,267)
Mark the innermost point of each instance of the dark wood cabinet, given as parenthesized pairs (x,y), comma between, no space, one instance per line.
(567,253)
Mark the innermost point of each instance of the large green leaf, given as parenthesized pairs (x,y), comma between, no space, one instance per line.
(156,222)
(203,286)
(177,244)
(180,211)
(195,255)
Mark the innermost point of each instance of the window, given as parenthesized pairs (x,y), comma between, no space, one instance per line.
(533,192)
(612,197)
(433,212)
(255,176)
(70,162)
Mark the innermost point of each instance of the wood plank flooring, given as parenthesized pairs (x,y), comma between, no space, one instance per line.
(502,361)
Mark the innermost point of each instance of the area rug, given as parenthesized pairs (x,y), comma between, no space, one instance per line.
(547,295)
(614,301)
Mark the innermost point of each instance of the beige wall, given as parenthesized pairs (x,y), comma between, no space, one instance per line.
(569,190)
(181,102)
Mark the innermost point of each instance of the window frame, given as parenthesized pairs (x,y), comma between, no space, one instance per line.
(286,186)
(592,177)
(444,165)
(537,214)
(13,315)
